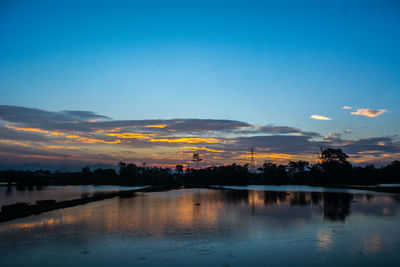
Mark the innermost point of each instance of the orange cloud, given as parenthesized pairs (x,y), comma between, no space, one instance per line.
(108,130)
(156,126)
(35,130)
(371,113)
(92,140)
(203,148)
(131,135)
(13,142)
(190,140)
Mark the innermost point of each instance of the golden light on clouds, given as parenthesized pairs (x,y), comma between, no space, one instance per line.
(320,118)
(93,140)
(132,135)
(219,141)
(35,130)
(156,126)
(371,113)
(203,148)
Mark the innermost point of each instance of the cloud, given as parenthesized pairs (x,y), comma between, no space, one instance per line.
(333,136)
(320,117)
(371,113)
(280,144)
(39,135)
(380,145)
(346,107)
(34,115)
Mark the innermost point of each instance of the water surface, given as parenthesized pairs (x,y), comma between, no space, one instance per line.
(204,227)
(14,194)
(300,188)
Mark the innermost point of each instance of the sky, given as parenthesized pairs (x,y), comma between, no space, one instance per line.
(156,81)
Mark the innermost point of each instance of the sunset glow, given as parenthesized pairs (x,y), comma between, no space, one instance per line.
(157,83)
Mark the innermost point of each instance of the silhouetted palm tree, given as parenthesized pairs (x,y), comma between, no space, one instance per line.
(197,159)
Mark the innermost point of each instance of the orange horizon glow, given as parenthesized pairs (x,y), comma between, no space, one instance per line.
(64,141)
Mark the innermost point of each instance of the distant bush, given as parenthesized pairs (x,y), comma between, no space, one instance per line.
(333,168)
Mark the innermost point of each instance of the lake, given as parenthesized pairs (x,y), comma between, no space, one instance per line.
(217,227)
(14,194)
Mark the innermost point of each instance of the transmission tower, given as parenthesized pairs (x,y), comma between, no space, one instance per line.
(252,164)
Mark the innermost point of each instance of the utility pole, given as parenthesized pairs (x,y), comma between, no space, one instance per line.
(252,164)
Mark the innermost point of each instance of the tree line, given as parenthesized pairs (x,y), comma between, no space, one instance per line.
(333,168)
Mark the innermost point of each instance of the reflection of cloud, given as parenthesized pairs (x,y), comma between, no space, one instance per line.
(346,107)
(320,118)
(374,243)
(324,240)
(371,113)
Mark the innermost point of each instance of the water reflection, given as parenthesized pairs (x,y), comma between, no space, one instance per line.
(30,194)
(336,206)
(228,226)
(178,208)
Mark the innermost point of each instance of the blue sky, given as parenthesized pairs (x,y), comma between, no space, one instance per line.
(259,62)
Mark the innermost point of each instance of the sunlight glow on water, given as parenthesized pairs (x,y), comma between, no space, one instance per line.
(229,227)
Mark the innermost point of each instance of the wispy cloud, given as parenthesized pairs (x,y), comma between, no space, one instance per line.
(371,113)
(320,117)
(346,107)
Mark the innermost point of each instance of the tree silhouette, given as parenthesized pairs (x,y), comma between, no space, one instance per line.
(298,166)
(335,166)
(333,155)
(197,159)
(179,169)
(299,171)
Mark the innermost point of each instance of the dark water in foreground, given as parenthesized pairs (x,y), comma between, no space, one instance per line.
(229,227)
